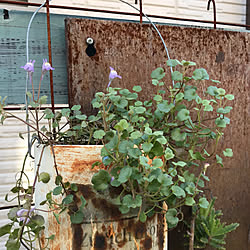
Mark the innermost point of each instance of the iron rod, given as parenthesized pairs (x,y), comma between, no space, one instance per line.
(140,11)
(214,9)
(50,58)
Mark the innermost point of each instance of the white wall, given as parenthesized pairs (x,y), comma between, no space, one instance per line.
(233,11)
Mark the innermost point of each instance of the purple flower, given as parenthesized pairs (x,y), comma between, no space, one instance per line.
(25,213)
(29,66)
(46,66)
(112,75)
(112,178)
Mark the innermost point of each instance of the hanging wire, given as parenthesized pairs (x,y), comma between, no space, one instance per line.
(27,77)
(164,44)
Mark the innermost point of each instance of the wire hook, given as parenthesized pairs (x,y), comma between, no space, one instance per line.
(214,7)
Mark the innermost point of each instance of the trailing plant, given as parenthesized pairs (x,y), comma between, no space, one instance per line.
(155,151)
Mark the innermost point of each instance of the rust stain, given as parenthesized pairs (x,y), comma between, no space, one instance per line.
(42,239)
(160,232)
(111,232)
(136,244)
(77,236)
(147,243)
(86,191)
(107,207)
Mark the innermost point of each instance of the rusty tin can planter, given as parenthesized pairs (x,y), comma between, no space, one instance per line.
(104,227)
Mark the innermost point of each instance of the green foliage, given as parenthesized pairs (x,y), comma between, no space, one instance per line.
(155,151)
(209,230)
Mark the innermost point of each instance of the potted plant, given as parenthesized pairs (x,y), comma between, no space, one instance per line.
(151,161)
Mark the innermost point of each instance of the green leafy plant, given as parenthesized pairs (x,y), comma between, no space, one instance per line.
(209,230)
(155,151)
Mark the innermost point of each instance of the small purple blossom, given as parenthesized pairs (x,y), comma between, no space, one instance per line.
(112,178)
(25,213)
(46,66)
(29,66)
(112,75)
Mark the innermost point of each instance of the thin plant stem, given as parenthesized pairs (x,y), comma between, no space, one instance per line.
(20,119)
(41,78)
(55,166)
(37,170)
(31,81)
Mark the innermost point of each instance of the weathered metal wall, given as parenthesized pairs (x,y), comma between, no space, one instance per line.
(134,50)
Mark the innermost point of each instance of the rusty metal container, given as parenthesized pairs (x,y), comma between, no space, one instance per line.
(104,227)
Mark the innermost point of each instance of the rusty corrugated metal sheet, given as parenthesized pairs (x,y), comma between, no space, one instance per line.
(134,50)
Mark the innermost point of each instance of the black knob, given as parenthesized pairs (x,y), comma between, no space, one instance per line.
(90,50)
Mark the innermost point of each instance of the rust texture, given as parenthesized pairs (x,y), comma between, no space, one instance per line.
(103,226)
(134,50)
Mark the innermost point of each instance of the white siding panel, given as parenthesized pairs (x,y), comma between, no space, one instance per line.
(227,10)
(12,152)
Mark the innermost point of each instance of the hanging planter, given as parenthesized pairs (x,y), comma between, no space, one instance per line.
(103,226)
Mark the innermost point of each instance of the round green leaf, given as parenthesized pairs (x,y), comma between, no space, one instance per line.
(68,199)
(173,62)
(137,88)
(203,202)
(57,190)
(177,76)
(158,74)
(44,177)
(81,117)
(208,108)
(38,219)
(221,123)
(99,134)
(229,97)
(176,135)
(221,92)
(178,191)
(171,217)
(189,201)
(165,107)
(124,175)
(157,163)
(158,98)
(190,94)
(101,180)
(200,74)
(228,152)
(130,202)
(183,115)
(147,146)
(76,107)
(140,110)
(121,125)
(169,154)
(77,218)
